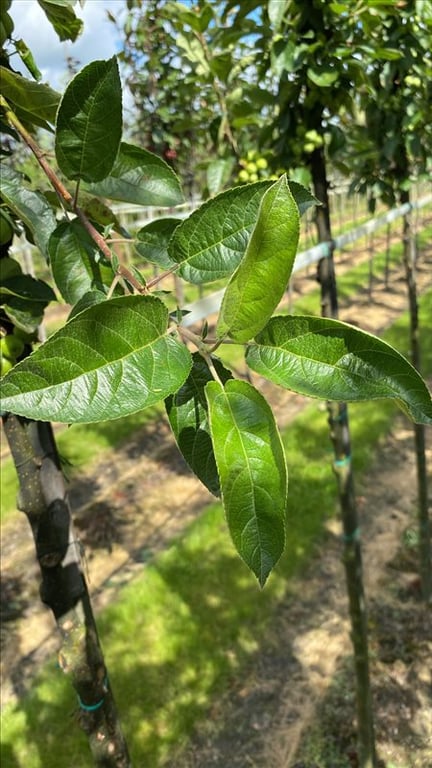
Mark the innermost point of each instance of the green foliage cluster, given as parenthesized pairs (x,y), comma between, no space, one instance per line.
(122,351)
(288,79)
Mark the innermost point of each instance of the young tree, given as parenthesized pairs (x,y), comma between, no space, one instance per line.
(395,147)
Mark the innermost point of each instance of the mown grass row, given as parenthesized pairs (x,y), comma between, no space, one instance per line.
(179,632)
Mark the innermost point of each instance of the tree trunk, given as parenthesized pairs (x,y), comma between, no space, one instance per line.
(43,500)
(425,563)
(340,437)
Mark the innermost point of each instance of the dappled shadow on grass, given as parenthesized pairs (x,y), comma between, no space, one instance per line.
(166,663)
(399,652)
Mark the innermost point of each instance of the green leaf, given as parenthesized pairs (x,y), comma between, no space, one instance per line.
(9,268)
(187,413)
(32,102)
(102,214)
(252,470)
(89,122)
(258,285)
(88,300)
(76,261)
(140,177)
(27,59)
(388,54)
(325,358)
(276,10)
(323,77)
(111,360)
(62,17)
(211,242)
(218,173)
(26,287)
(31,207)
(152,241)
(22,297)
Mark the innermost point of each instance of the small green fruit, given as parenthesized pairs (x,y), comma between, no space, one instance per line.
(243,176)
(251,168)
(253,177)
(314,138)
(309,147)
(261,164)
(6,365)
(11,347)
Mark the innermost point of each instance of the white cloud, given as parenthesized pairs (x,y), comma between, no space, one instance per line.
(99,39)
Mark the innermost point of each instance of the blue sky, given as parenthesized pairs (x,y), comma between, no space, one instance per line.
(97,41)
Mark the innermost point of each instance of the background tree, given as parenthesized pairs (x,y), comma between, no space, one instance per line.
(311,56)
(188,68)
(392,150)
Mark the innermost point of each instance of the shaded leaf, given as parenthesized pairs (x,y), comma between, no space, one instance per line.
(26,287)
(252,470)
(187,413)
(89,122)
(325,358)
(258,285)
(103,215)
(152,241)
(140,177)
(111,360)
(62,17)
(31,207)
(76,261)
(22,297)
(218,173)
(33,102)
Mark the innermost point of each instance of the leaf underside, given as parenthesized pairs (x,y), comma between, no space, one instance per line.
(187,412)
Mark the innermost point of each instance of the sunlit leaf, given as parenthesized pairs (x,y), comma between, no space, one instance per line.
(210,244)
(323,77)
(31,101)
(111,360)
(329,359)
(252,470)
(258,285)
(61,15)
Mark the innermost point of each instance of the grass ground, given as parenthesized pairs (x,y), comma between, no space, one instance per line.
(183,628)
